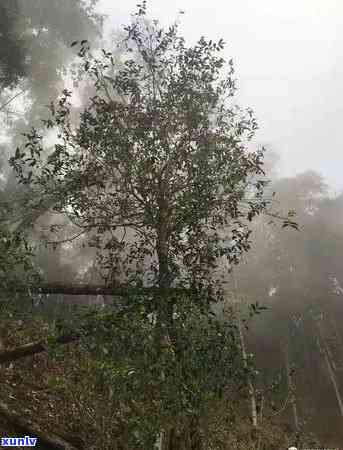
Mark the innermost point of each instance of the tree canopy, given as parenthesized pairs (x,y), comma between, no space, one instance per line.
(157,168)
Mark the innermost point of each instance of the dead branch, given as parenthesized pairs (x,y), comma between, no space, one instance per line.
(50,440)
(34,348)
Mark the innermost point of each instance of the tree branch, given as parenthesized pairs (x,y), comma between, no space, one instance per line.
(34,348)
(120,291)
(3,106)
(50,440)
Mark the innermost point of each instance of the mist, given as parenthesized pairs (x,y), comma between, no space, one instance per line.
(288,70)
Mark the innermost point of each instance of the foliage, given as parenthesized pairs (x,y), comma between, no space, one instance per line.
(12,56)
(34,53)
(17,270)
(158,175)
(71,378)
(298,275)
(148,388)
(16,267)
(157,172)
(31,29)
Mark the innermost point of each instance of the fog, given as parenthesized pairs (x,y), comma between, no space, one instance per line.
(288,65)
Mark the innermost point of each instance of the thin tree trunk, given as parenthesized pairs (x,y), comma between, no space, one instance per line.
(165,313)
(291,387)
(338,335)
(261,407)
(251,390)
(339,344)
(324,350)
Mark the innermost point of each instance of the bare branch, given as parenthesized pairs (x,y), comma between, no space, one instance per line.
(3,106)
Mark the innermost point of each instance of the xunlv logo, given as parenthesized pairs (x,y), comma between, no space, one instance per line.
(26,441)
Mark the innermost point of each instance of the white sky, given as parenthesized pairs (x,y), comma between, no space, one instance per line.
(288,57)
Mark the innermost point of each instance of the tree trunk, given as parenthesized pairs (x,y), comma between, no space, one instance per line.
(164,314)
(291,387)
(324,350)
(251,390)
(339,344)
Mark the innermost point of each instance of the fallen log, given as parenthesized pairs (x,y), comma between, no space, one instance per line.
(51,441)
(33,348)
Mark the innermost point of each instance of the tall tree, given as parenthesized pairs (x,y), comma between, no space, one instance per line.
(12,48)
(157,172)
(35,39)
(160,153)
(34,33)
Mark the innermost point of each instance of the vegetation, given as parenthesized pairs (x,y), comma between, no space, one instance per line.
(157,174)
(153,189)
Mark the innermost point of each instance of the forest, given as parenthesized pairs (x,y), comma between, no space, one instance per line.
(161,285)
